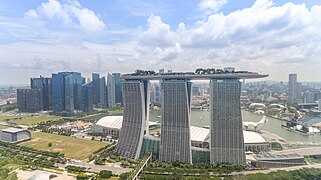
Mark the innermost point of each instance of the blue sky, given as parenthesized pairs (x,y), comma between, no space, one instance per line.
(277,37)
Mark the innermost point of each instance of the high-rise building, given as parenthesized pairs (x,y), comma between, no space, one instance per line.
(226,134)
(308,97)
(45,85)
(299,92)
(96,88)
(66,92)
(175,142)
(87,96)
(135,118)
(292,91)
(156,94)
(30,100)
(111,91)
(118,88)
(103,92)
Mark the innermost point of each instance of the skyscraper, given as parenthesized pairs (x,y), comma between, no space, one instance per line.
(226,134)
(135,118)
(87,96)
(66,92)
(96,88)
(103,92)
(118,88)
(175,124)
(30,100)
(292,92)
(111,91)
(45,85)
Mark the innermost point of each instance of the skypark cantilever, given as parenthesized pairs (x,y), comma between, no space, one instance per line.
(194,76)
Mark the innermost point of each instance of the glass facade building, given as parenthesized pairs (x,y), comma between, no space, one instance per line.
(66,92)
(87,97)
(30,100)
(118,88)
(111,91)
(45,85)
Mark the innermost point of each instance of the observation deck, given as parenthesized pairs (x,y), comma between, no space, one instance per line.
(194,76)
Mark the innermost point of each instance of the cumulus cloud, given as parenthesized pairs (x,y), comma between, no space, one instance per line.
(212,5)
(264,35)
(71,14)
(269,38)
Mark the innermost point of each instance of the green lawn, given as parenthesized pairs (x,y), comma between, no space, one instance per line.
(71,147)
(36,119)
(116,112)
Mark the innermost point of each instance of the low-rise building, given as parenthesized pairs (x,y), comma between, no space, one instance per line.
(14,135)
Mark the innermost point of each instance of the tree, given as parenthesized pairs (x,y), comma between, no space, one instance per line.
(82,176)
(50,144)
(105,174)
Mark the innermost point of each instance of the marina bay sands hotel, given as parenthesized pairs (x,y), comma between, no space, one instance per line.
(226,143)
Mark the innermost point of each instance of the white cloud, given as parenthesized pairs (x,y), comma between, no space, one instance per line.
(72,14)
(212,5)
(262,37)
(265,37)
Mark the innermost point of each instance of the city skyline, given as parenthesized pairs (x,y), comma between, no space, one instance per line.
(41,37)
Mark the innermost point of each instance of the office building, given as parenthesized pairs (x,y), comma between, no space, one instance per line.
(135,119)
(87,98)
(308,97)
(96,88)
(103,93)
(156,94)
(175,142)
(66,92)
(111,91)
(292,89)
(226,137)
(45,85)
(118,88)
(30,100)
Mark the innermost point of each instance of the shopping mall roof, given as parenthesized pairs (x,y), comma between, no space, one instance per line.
(253,138)
(114,122)
(199,134)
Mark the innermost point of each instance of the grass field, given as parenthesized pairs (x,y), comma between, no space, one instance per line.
(71,147)
(116,112)
(36,119)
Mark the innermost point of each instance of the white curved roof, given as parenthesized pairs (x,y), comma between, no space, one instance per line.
(257,105)
(253,138)
(199,134)
(275,106)
(114,122)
